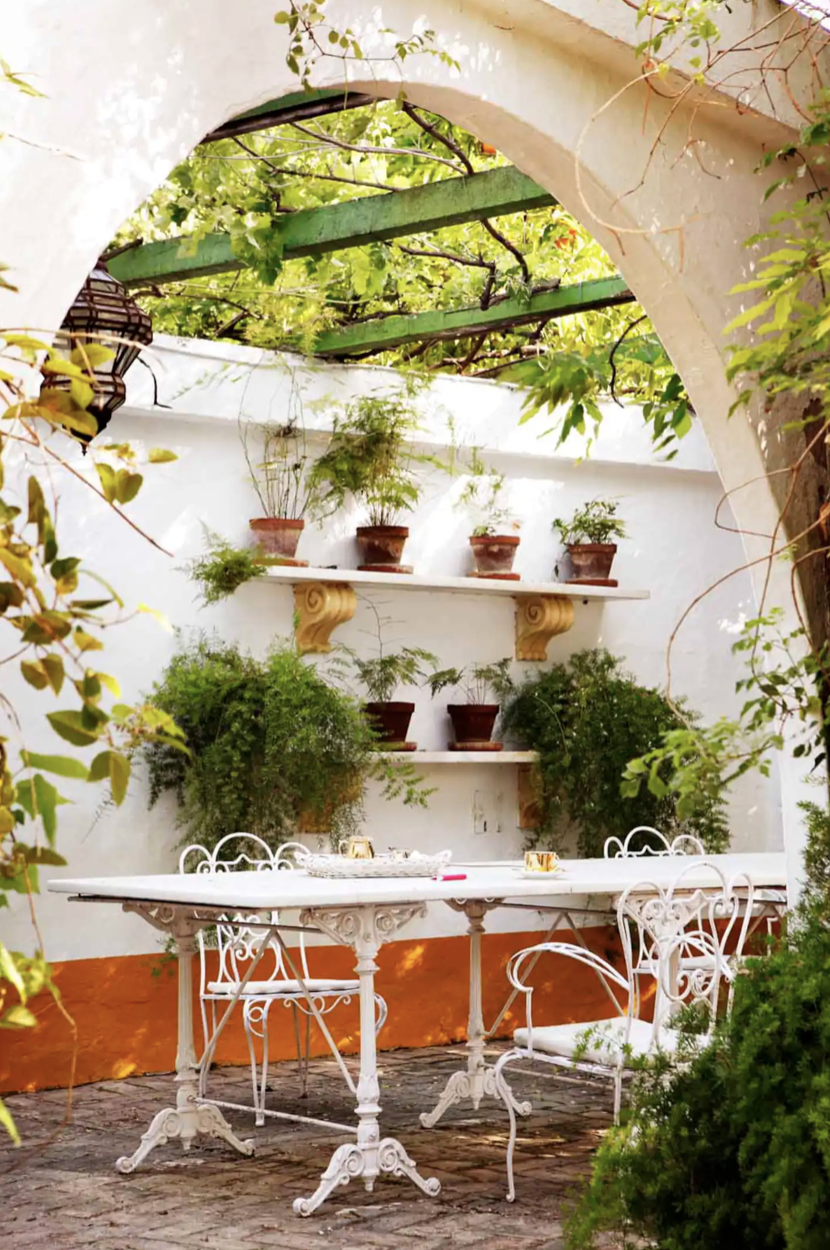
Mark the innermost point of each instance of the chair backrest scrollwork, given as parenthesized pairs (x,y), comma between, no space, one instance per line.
(239,935)
(645,841)
(690,936)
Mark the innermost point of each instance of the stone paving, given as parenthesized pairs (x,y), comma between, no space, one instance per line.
(59,1191)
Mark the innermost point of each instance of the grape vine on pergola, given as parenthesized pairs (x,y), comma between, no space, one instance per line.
(387,274)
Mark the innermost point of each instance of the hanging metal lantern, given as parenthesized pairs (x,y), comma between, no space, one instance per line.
(102,312)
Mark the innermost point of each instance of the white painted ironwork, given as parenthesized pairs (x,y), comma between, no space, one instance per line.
(239,939)
(653,842)
(691,938)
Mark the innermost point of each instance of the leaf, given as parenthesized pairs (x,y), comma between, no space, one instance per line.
(99,769)
(158,616)
(18,1017)
(9,970)
(160,455)
(71,727)
(8,1123)
(127,485)
(90,355)
(53,667)
(48,801)
(106,475)
(20,569)
(34,674)
(45,856)
(86,642)
(119,776)
(61,765)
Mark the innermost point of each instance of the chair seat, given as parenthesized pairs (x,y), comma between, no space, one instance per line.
(607,1038)
(282,989)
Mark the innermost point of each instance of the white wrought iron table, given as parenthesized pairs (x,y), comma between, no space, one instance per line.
(362,914)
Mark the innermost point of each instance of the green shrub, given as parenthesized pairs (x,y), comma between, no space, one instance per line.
(587,719)
(269,740)
(733,1150)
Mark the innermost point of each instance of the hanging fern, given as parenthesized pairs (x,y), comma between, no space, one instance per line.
(271,743)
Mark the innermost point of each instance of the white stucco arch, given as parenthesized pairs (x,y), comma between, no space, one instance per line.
(132,87)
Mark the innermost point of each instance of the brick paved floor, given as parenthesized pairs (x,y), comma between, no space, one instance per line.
(60,1190)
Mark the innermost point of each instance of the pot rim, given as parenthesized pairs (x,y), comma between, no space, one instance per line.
(277,522)
(494,540)
(393,531)
(479,707)
(392,703)
(591,546)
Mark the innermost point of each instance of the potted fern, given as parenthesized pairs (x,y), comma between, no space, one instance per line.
(587,538)
(494,549)
(473,721)
(381,677)
(370,458)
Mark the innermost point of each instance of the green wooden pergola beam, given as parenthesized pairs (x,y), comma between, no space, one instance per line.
(299,106)
(371,219)
(387,332)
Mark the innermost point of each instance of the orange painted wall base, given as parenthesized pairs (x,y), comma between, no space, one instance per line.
(125,1008)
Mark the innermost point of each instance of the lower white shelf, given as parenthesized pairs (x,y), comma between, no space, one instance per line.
(462,757)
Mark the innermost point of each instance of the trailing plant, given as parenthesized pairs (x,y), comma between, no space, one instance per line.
(587,718)
(730,1147)
(224,568)
(595,522)
(370,457)
(475,681)
(483,498)
(270,742)
(783,709)
(383,674)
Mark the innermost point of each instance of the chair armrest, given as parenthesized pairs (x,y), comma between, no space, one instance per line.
(568,950)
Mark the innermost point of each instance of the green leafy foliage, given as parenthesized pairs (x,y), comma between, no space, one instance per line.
(381,675)
(587,719)
(595,522)
(478,682)
(224,568)
(370,457)
(731,1148)
(782,707)
(483,497)
(272,746)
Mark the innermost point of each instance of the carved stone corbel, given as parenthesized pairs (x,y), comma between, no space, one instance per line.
(538,619)
(319,608)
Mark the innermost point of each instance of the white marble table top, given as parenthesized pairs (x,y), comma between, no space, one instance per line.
(276,890)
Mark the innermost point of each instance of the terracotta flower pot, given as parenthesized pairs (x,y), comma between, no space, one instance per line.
(381,545)
(494,553)
(473,725)
(277,536)
(390,721)
(591,562)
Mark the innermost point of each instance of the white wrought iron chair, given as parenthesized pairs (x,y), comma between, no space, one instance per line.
(651,842)
(238,939)
(691,938)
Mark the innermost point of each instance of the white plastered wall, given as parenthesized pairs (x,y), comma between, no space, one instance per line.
(132,86)
(674,551)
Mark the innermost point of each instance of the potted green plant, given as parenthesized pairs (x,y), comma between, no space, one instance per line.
(371,459)
(381,678)
(473,721)
(281,472)
(587,539)
(494,549)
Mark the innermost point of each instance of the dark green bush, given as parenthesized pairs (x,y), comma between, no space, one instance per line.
(733,1150)
(588,718)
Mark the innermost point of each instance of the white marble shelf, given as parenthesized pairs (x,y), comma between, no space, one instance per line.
(419,758)
(292,576)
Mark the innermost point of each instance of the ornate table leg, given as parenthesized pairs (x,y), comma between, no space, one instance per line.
(189,1117)
(478,1081)
(366,929)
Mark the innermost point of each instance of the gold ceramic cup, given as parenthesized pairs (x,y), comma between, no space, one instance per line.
(359,847)
(541,861)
